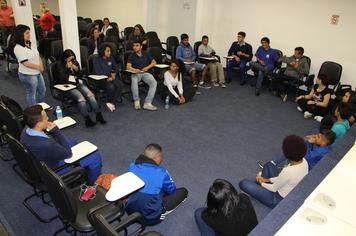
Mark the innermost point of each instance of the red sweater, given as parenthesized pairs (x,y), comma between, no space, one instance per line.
(47,21)
(5,19)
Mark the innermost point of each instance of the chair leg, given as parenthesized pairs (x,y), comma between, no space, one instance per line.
(2,144)
(27,205)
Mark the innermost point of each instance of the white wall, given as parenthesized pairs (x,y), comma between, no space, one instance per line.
(52,5)
(123,12)
(175,17)
(288,24)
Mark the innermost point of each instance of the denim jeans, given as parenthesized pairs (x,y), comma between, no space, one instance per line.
(149,80)
(255,190)
(35,88)
(92,164)
(112,89)
(233,63)
(260,70)
(80,92)
(204,229)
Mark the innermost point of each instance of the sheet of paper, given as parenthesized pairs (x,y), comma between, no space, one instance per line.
(44,105)
(65,122)
(65,87)
(71,79)
(97,77)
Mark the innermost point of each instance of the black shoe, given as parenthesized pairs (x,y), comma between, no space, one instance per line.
(228,81)
(89,122)
(100,118)
(257,92)
(242,82)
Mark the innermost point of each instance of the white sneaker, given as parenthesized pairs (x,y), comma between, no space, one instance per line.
(137,105)
(110,106)
(195,85)
(216,84)
(299,109)
(307,115)
(318,118)
(201,82)
(149,106)
(223,85)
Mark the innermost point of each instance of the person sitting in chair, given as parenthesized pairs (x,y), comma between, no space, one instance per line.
(215,67)
(139,64)
(266,59)
(104,64)
(297,67)
(65,68)
(186,54)
(241,53)
(54,150)
(317,101)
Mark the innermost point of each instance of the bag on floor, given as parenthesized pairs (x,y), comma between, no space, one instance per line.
(104,180)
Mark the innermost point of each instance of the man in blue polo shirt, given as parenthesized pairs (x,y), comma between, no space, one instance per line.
(139,64)
(266,59)
(242,53)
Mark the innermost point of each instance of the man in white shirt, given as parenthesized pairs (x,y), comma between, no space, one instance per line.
(215,67)
(273,184)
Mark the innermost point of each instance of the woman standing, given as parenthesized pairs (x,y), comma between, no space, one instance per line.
(228,213)
(30,65)
(7,22)
(173,85)
(67,67)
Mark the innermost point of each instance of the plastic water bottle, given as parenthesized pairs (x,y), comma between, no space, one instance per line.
(59,113)
(166,103)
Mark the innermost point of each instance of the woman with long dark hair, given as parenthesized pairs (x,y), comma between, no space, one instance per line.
(94,41)
(30,65)
(173,84)
(227,212)
(68,66)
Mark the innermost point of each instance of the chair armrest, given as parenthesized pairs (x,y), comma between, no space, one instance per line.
(74,175)
(135,217)
(111,211)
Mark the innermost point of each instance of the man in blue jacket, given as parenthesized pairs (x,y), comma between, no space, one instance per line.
(318,145)
(54,150)
(159,196)
(186,54)
(266,59)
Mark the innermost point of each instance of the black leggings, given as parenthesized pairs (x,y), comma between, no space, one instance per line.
(172,201)
(315,110)
(188,94)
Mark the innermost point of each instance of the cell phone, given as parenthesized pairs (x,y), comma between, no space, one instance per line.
(89,192)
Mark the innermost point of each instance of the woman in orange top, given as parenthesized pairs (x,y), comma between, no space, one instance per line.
(7,22)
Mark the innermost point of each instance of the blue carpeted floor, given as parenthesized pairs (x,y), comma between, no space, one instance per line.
(221,134)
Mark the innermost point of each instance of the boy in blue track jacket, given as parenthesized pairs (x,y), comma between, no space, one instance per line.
(159,196)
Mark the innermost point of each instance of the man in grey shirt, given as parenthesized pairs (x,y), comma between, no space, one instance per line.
(216,69)
(297,67)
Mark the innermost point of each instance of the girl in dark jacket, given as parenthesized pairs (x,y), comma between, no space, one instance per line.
(69,67)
